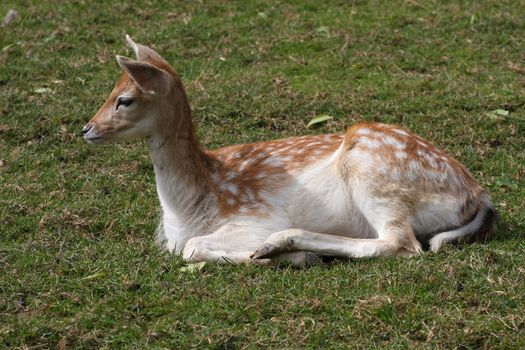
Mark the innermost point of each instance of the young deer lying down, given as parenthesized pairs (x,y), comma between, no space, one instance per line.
(377,190)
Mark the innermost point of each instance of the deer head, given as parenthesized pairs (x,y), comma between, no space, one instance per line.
(138,101)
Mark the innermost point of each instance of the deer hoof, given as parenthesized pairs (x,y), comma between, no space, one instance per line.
(265,251)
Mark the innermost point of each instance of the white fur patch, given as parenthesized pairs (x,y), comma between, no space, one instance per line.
(364,131)
(400,132)
(389,140)
(233,188)
(370,143)
(400,154)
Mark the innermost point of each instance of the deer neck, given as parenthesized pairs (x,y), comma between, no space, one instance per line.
(181,173)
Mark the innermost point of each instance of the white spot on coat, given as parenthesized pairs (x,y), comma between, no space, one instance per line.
(401,132)
(233,188)
(364,131)
(400,154)
(392,141)
(370,143)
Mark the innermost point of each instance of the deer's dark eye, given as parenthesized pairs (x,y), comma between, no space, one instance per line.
(124,101)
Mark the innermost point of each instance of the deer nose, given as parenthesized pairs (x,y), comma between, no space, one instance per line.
(86,128)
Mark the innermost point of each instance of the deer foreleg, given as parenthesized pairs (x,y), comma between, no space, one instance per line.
(221,248)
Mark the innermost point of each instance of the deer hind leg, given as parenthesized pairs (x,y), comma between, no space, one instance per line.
(387,216)
(331,245)
(389,220)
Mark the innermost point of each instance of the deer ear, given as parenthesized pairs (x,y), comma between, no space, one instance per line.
(149,79)
(144,53)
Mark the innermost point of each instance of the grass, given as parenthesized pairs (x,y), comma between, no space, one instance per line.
(78,264)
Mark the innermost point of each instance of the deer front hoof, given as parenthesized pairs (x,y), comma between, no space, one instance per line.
(265,251)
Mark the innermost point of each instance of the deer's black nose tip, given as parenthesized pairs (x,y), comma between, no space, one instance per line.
(86,128)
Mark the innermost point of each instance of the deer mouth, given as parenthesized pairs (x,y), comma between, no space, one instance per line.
(91,135)
(94,139)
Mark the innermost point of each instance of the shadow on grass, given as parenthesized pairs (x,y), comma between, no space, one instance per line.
(507,230)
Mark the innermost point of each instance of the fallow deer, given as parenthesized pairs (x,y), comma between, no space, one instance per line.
(376,190)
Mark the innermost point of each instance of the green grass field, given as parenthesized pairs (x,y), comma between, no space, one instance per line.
(78,264)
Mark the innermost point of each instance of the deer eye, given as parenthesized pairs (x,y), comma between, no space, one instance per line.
(124,101)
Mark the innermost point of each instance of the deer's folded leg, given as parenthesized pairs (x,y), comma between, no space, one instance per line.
(331,245)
